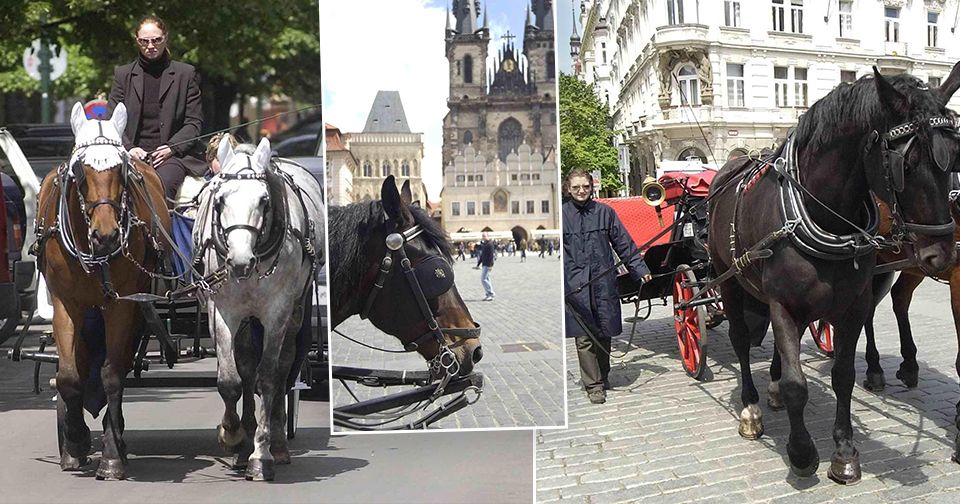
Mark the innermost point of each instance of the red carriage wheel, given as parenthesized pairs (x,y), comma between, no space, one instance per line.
(822,333)
(715,313)
(690,324)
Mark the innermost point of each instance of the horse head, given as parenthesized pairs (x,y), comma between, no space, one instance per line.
(910,153)
(242,202)
(99,166)
(417,254)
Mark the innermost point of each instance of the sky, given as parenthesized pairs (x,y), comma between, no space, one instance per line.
(564,28)
(398,45)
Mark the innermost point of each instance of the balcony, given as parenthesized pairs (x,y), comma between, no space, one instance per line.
(682,35)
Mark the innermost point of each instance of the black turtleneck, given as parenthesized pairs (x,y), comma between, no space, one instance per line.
(148,136)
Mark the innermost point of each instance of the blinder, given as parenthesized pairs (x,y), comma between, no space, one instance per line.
(434,275)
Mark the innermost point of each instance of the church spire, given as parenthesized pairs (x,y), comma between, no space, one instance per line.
(466,13)
(486,25)
(573,14)
(529,21)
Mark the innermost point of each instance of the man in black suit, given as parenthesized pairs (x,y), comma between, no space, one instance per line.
(162,98)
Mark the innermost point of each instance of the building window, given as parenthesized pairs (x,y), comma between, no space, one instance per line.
(468,69)
(692,154)
(536,176)
(674,12)
(485,208)
(455,208)
(603,51)
(405,169)
(461,178)
(509,137)
(513,177)
(689,85)
(932,28)
(458,67)
(892,24)
(731,12)
(848,76)
(367,169)
(800,87)
(846,18)
(788,16)
(467,137)
(524,176)
(471,208)
(544,206)
(479,178)
(735,90)
(933,82)
(551,65)
(515,207)
(386,169)
(469,178)
(529,206)
(780,85)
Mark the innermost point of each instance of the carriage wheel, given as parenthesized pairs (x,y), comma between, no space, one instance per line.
(689,322)
(715,313)
(822,333)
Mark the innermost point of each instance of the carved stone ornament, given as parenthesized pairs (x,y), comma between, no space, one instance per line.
(934,5)
(670,59)
(894,4)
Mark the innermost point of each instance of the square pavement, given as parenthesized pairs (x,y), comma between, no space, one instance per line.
(663,437)
(522,347)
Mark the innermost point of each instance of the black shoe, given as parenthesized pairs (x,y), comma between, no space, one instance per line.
(597,396)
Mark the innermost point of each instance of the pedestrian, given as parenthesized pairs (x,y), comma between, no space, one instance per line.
(460,249)
(523,250)
(589,230)
(543,248)
(485,260)
(162,97)
(550,248)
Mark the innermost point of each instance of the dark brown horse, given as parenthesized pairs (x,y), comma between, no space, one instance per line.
(91,250)
(799,232)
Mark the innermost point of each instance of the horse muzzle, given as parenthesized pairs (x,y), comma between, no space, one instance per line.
(241,269)
(104,244)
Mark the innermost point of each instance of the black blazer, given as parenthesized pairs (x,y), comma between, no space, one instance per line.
(181,114)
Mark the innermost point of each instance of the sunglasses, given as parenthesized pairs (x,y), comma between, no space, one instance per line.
(580,188)
(145,42)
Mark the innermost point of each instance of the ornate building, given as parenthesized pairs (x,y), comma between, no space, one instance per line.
(691,79)
(500,134)
(386,146)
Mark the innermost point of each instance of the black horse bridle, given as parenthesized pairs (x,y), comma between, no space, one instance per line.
(396,242)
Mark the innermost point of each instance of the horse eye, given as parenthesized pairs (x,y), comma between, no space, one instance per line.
(264,200)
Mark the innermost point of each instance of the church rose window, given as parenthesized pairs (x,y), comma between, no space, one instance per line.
(509,137)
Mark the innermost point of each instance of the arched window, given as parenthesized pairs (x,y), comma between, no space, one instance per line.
(689,88)
(367,169)
(467,137)
(386,169)
(691,154)
(551,65)
(509,137)
(468,69)
(405,169)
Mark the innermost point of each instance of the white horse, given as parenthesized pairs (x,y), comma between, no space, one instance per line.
(262,221)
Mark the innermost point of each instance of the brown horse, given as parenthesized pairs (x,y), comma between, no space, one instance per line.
(97,232)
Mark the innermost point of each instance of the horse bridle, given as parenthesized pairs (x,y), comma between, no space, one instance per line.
(396,242)
(893,162)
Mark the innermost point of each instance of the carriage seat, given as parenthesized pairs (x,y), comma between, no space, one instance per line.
(191,187)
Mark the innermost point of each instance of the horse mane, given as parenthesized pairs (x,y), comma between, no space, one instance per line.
(350,227)
(852,108)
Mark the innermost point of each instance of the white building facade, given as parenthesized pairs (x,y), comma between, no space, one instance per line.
(713,79)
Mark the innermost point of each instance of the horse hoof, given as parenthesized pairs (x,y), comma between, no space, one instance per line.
(230,441)
(810,470)
(751,422)
(955,457)
(111,469)
(874,382)
(909,378)
(845,473)
(260,470)
(70,463)
(281,457)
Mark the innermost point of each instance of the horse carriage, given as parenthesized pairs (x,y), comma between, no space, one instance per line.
(247,276)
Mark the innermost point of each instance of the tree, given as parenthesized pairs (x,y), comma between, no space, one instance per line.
(240,47)
(586,141)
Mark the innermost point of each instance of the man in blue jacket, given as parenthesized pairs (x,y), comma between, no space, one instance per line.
(590,229)
(485,261)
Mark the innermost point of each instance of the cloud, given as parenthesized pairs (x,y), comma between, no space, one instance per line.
(371,45)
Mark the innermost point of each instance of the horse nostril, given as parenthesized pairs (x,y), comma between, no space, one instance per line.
(477,354)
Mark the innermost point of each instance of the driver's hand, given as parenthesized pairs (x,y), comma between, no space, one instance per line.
(160,155)
(138,153)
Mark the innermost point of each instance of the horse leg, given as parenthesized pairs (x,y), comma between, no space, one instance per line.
(773,389)
(804,459)
(71,375)
(247,367)
(902,294)
(278,434)
(120,320)
(229,432)
(751,417)
(875,381)
(845,463)
(260,466)
(955,304)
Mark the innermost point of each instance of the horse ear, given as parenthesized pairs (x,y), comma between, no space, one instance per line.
(262,154)
(119,118)
(390,198)
(406,196)
(224,153)
(77,118)
(889,95)
(949,86)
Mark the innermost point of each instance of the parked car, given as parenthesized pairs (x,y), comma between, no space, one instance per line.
(44,145)
(309,125)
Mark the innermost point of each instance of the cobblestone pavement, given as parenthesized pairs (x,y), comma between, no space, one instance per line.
(664,437)
(521,388)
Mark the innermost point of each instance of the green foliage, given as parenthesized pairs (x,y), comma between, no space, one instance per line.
(254,47)
(585,138)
